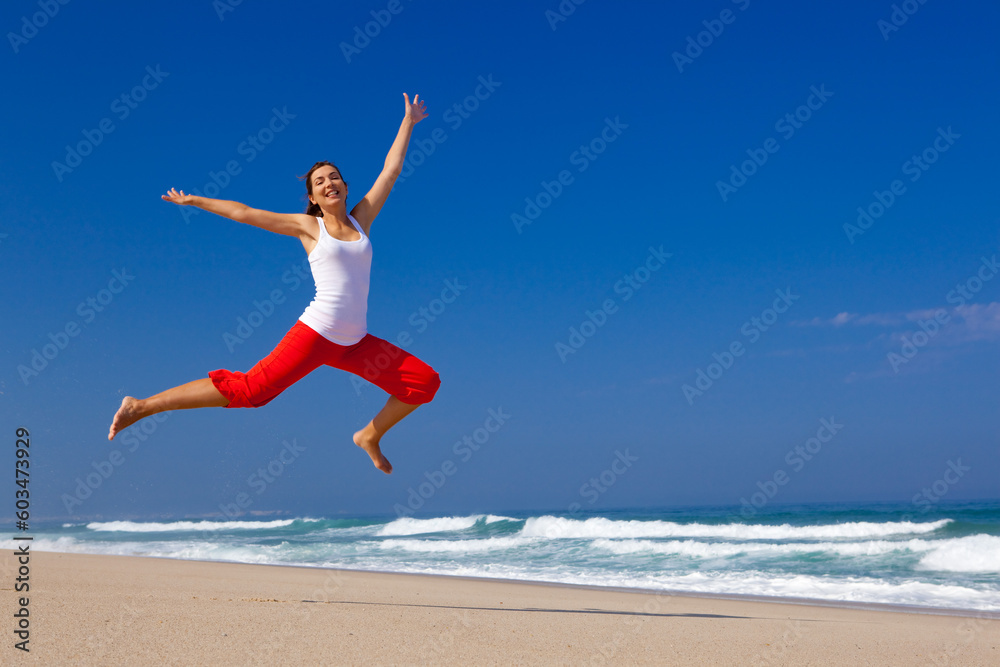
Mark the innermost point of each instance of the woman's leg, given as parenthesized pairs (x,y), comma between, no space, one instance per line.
(369,437)
(409,381)
(196,394)
(296,355)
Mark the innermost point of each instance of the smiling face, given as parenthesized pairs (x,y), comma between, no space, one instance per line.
(326,187)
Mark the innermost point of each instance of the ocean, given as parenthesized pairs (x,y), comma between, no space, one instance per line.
(942,557)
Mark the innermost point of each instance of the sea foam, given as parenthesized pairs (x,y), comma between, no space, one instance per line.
(153,527)
(597,527)
(408,526)
(974,553)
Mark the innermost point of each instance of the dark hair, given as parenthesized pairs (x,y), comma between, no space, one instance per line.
(311,208)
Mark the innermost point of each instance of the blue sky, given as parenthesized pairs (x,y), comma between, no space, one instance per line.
(669,190)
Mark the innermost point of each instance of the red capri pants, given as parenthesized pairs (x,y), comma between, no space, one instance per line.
(302,350)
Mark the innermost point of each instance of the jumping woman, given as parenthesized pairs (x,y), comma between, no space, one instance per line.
(333,330)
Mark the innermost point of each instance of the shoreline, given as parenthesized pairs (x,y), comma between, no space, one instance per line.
(103,609)
(735,597)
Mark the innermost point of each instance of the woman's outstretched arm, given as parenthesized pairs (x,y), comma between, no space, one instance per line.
(366,209)
(289,224)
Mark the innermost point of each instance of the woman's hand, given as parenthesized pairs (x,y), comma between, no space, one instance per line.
(415,112)
(178,197)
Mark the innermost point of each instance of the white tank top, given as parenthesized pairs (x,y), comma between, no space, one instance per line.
(342,271)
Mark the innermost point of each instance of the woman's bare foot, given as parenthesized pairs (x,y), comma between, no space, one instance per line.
(368,440)
(127,415)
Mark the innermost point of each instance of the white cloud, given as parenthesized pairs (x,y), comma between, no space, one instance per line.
(836,321)
(966,323)
(979,322)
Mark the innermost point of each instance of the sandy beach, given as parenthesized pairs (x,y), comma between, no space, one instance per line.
(109,610)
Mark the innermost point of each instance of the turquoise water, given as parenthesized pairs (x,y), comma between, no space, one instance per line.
(947,557)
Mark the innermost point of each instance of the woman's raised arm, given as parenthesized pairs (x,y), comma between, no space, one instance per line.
(289,224)
(366,209)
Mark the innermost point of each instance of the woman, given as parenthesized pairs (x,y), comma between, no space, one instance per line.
(333,328)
